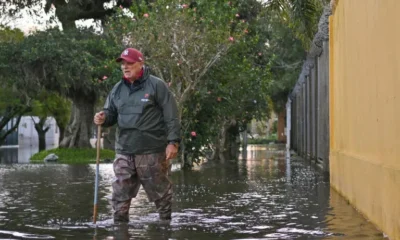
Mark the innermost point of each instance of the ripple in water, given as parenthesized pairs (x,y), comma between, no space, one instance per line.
(26,235)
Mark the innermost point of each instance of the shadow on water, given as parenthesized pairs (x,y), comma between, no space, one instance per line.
(264,196)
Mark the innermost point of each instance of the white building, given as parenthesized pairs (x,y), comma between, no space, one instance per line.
(28,136)
(24,142)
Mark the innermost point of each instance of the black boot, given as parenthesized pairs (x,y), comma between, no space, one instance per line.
(121,210)
(121,218)
(164,207)
(165,216)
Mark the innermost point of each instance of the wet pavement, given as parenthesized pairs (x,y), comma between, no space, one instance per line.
(266,196)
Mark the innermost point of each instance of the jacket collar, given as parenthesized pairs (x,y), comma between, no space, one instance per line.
(139,83)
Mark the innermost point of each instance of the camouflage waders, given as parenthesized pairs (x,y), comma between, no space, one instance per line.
(149,170)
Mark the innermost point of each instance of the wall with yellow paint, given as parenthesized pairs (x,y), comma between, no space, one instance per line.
(365,108)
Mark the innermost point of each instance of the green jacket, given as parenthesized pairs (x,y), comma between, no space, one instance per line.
(146,114)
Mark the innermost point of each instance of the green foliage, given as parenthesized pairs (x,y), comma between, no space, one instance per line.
(47,104)
(224,60)
(272,139)
(293,24)
(181,44)
(51,104)
(14,101)
(69,62)
(73,64)
(209,58)
(10,35)
(300,15)
(275,127)
(236,90)
(73,155)
(9,38)
(284,54)
(266,62)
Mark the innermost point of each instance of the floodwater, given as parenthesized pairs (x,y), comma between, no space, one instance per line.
(267,196)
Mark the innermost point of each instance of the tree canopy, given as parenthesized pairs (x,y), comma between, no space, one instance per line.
(14,98)
(223,60)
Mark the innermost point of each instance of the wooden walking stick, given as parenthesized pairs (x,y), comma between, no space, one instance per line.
(96,185)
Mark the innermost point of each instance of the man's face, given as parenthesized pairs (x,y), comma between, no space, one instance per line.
(131,70)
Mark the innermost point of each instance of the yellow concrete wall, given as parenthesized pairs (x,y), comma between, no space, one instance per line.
(365,108)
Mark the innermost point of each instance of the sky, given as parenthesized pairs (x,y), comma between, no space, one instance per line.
(28,23)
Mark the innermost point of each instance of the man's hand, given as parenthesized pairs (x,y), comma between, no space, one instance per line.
(171,151)
(99,118)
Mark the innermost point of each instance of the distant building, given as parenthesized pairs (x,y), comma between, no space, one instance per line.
(26,134)
(23,142)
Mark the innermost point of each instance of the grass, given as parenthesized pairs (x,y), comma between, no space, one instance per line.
(272,139)
(73,155)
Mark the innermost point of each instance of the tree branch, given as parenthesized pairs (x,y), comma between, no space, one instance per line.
(9,131)
(46,129)
(209,64)
(33,120)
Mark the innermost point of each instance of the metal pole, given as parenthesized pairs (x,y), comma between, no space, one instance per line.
(96,185)
(288,123)
(288,130)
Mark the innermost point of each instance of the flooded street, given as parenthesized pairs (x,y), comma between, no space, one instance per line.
(267,196)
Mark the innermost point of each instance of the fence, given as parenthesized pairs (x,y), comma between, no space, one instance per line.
(308,104)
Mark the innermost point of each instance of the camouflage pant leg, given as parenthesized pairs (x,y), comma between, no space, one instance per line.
(164,205)
(125,186)
(153,170)
(121,210)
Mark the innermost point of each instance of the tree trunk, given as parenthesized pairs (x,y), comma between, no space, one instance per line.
(281,126)
(184,159)
(41,129)
(229,144)
(233,140)
(80,127)
(245,143)
(42,141)
(222,143)
(62,134)
(216,149)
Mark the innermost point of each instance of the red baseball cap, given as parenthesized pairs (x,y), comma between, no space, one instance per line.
(131,55)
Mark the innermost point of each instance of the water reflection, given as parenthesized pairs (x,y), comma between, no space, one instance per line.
(253,198)
(9,155)
(340,221)
(22,152)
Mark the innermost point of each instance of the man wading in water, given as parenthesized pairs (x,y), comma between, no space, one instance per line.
(148,136)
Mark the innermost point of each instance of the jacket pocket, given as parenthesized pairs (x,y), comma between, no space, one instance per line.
(128,116)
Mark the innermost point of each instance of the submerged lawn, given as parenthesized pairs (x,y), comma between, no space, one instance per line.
(74,155)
